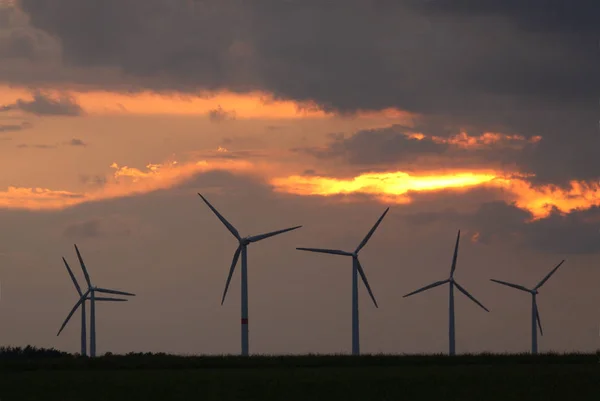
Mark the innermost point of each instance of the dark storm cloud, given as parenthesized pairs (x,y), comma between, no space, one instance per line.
(577,17)
(377,146)
(515,68)
(43,105)
(573,233)
(18,45)
(394,145)
(306,50)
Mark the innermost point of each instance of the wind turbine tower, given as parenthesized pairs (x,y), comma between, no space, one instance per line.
(91,295)
(243,250)
(356,270)
(535,314)
(83,316)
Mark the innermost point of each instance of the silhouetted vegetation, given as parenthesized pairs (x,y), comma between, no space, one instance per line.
(34,374)
(29,353)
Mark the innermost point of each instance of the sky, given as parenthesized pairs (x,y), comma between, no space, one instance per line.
(464,114)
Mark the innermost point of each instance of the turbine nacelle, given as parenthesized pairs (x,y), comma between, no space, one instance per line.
(242,241)
(535,313)
(354,255)
(90,292)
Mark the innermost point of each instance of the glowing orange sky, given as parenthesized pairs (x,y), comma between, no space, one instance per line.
(246,106)
(396,187)
(390,187)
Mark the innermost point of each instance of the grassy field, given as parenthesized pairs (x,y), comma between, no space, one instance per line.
(45,375)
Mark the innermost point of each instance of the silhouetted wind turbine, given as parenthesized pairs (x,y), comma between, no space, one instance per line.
(243,249)
(452,282)
(535,314)
(91,295)
(356,269)
(83,318)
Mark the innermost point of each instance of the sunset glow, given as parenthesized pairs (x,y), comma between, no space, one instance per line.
(396,187)
(488,139)
(252,105)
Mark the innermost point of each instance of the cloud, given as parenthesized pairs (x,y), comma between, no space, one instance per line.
(402,187)
(219,115)
(401,144)
(14,127)
(76,142)
(493,205)
(72,142)
(35,146)
(98,227)
(576,232)
(94,180)
(123,182)
(44,105)
(484,68)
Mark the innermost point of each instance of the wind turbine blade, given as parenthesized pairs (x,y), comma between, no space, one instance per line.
(518,287)
(537,317)
(330,251)
(433,285)
(85,273)
(107,291)
(364,279)
(470,296)
(257,238)
(548,275)
(110,299)
(83,297)
(73,278)
(225,222)
(455,255)
(236,256)
(368,236)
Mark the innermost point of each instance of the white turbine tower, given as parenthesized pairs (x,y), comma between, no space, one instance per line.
(243,249)
(91,295)
(535,314)
(452,282)
(356,269)
(83,317)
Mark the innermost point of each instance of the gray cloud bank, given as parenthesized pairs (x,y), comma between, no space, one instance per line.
(527,68)
(44,105)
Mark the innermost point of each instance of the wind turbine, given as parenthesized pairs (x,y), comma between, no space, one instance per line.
(356,269)
(91,295)
(535,314)
(83,317)
(452,282)
(243,249)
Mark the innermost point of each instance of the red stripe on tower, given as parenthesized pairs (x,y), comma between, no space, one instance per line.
(244,321)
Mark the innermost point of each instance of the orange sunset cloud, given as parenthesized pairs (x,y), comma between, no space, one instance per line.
(252,105)
(485,140)
(390,187)
(397,187)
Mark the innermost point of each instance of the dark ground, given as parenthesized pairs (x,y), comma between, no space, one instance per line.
(50,375)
